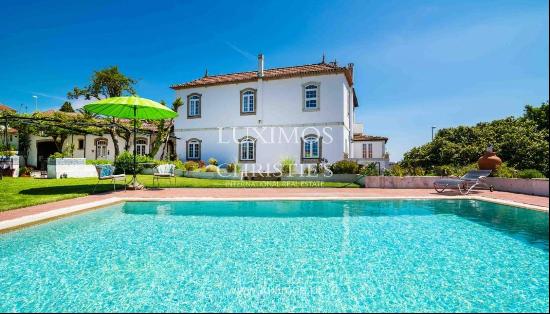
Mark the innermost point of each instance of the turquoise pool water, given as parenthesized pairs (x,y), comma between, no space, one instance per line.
(407,255)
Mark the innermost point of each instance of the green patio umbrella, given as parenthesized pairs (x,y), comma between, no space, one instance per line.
(131,107)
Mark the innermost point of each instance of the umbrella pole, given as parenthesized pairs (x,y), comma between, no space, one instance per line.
(135,185)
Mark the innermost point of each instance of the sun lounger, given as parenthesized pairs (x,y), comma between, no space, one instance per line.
(464,184)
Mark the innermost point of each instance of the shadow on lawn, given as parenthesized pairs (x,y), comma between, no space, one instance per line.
(72,189)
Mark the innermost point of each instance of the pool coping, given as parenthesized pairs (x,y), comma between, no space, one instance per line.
(44,217)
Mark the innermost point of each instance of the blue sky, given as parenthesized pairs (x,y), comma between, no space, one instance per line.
(417,63)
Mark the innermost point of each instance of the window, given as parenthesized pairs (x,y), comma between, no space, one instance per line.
(311,96)
(370,150)
(141,146)
(248,101)
(80,144)
(311,148)
(194,149)
(364,151)
(100,148)
(247,149)
(194,106)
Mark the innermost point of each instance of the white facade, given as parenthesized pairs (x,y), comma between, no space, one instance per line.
(369,149)
(279,125)
(88,146)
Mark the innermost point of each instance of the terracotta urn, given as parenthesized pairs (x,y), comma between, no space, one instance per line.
(489,160)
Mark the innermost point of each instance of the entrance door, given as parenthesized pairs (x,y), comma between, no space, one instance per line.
(43,151)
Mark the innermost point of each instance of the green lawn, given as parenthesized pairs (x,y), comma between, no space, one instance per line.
(23,192)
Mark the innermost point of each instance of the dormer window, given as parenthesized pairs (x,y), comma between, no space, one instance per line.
(311,96)
(194,106)
(248,101)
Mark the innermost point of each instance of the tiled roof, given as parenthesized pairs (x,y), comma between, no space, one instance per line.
(6,108)
(365,137)
(270,74)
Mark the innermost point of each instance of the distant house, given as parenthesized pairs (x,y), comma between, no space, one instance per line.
(89,146)
(369,148)
(257,118)
(11,133)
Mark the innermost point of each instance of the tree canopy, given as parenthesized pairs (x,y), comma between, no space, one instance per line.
(66,107)
(520,142)
(106,83)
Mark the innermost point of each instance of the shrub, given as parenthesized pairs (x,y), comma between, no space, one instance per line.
(444,171)
(369,170)
(179,164)
(98,162)
(233,168)
(345,166)
(504,171)
(396,170)
(125,162)
(201,164)
(211,168)
(191,165)
(530,174)
(7,150)
(25,171)
(288,166)
(212,161)
(57,155)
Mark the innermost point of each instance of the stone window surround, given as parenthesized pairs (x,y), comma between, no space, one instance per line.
(189,116)
(106,147)
(187,148)
(254,141)
(255,101)
(146,143)
(318,84)
(302,147)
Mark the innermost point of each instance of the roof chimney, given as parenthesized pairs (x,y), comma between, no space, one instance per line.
(260,65)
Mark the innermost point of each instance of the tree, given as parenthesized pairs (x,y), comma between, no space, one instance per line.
(163,130)
(521,142)
(66,107)
(106,83)
(539,115)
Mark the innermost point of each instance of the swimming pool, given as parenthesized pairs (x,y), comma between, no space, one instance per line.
(389,255)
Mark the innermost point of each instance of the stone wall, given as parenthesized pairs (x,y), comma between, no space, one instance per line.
(538,187)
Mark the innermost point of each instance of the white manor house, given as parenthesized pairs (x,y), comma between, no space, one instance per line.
(258,118)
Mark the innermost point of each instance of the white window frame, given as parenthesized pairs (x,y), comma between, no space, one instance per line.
(248,102)
(308,87)
(247,149)
(101,148)
(194,104)
(370,150)
(194,150)
(141,146)
(364,150)
(308,152)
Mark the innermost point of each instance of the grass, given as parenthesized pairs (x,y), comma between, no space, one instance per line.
(23,192)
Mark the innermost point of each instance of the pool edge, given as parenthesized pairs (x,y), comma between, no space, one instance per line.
(44,217)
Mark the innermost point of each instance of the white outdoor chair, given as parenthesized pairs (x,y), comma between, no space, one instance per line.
(107,172)
(166,171)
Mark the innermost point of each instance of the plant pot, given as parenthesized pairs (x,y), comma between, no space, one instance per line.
(489,161)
